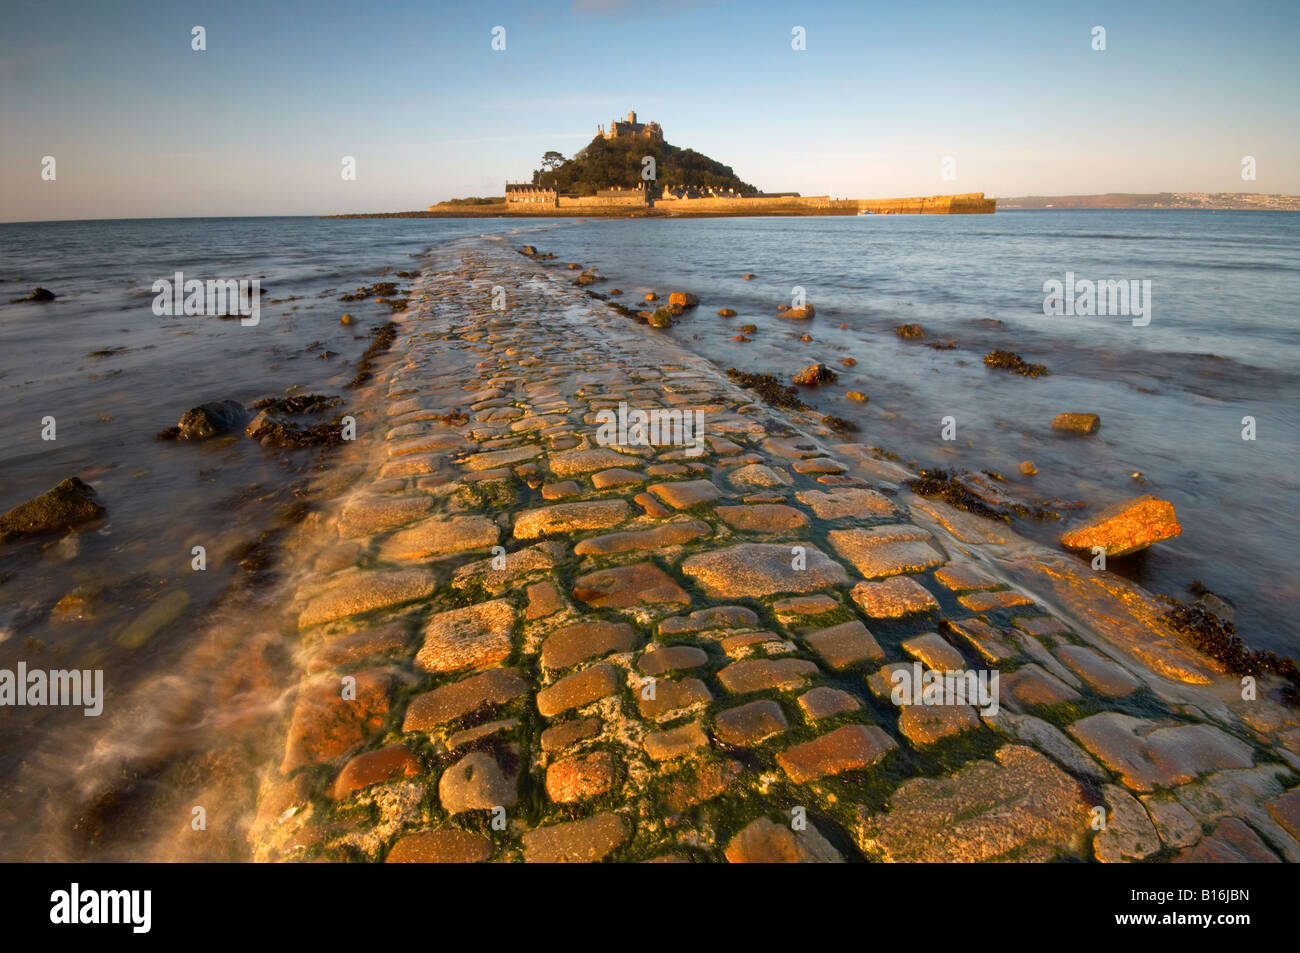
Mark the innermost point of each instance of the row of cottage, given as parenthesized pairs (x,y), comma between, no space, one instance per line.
(539,196)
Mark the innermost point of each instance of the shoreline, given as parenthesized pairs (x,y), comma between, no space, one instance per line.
(516,690)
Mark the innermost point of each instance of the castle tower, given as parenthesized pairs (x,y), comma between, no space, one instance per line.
(631,117)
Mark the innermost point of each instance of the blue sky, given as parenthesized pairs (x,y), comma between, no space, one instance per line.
(141,125)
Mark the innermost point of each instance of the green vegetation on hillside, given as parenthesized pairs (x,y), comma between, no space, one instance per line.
(607,163)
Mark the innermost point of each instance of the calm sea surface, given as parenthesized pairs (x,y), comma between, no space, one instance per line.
(1223,343)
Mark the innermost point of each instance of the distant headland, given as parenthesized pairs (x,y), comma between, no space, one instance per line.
(1212,201)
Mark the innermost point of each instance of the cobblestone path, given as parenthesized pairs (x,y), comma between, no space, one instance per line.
(520,643)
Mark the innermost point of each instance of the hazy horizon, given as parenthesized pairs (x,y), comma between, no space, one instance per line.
(140,125)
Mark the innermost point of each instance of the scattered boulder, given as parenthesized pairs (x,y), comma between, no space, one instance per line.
(1027,467)
(857,395)
(661,318)
(1077,423)
(69,504)
(651,296)
(208,420)
(346,319)
(910,332)
(528,250)
(684,299)
(814,375)
(1126,527)
(726,313)
(798,314)
(747,277)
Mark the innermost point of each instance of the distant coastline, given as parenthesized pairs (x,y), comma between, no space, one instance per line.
(1211,201)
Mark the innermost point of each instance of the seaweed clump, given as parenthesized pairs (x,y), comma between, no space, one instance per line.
(839,424)
(297,403)
(1218,638)
(382,340)
(621,309)
(769,389)
(1013,362)
(945,486)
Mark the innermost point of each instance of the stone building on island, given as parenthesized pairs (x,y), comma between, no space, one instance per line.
(630,127)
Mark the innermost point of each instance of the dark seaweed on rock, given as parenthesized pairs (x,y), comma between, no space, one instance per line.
(945,486)
(769,389)
(1218,638)
(1013,362)
(839,424)
(383,338)
(297,403)
(622,309)
(275,431)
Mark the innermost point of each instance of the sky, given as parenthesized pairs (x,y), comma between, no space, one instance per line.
(140,124)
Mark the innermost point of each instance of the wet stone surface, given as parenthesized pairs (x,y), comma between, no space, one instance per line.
(521,642)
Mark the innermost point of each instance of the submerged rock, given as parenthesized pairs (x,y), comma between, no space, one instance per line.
(1077,423)
(1126,527)
(208,420)
(910,332)
(69,504)
(38,294)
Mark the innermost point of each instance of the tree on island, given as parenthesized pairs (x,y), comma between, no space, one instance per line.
(613,163)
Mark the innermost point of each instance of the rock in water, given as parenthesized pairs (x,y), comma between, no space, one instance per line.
(1126,527)
(798,314)
(41,294)
(814,375)
(683,299)
(70,503)
(1077,423)
(208,420)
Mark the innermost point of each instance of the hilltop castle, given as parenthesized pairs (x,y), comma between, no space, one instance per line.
(651,130)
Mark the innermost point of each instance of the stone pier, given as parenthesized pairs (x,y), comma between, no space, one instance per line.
(518,644)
